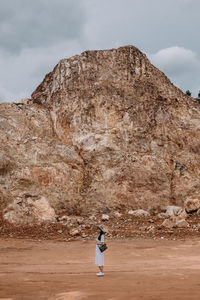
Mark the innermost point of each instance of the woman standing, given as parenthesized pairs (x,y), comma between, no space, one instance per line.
(100,255)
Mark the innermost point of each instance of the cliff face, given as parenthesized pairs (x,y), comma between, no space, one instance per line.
(104,129)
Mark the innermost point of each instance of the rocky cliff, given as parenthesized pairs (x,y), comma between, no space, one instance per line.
(104,129)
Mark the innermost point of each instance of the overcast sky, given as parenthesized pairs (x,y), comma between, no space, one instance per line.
(35,35)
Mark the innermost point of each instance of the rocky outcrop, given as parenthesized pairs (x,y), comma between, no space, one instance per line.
(35,164)
(105,129)
(30,211)
(192,204)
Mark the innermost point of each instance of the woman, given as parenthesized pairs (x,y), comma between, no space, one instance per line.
(100,255)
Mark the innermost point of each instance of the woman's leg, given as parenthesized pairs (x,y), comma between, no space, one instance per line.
(101,268)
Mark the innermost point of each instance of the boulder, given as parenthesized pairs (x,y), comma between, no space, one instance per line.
(74,232)
(175,222)
(182,224)
(182,214)
(172,210)
(139,213)
(117,214)
(105,217)
(169,223)
(29,210)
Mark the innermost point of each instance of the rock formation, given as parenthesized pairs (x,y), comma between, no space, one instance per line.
(104,129)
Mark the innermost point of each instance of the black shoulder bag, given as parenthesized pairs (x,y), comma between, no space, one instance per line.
(103,247)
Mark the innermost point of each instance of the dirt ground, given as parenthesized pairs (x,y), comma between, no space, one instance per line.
(134,269)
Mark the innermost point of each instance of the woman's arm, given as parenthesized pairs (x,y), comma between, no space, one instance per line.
(100,243)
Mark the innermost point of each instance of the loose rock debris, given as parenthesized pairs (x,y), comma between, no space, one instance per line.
(120,225)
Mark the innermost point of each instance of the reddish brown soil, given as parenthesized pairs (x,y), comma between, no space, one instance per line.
(134,269)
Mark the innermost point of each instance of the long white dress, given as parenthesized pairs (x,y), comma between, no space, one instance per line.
(99,255)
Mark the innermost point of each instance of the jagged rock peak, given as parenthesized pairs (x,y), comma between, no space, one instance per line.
(100,68)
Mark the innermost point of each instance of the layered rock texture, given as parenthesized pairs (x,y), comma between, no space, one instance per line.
(105,129)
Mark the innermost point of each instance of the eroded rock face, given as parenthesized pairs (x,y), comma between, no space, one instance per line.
(34,163)
(104,129)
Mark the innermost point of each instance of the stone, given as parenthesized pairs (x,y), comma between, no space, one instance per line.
(138,213)
(92,218)
(169,223)
(100,131)
(162,215)
(192,203)
(182,224)
(151,229)
(63,218)
(117,214)
(195,228)
(182,214)
(143,228)
(105,217)
(74,232)
(69,221)
(175,222)
(128,220)
(172,210)
(87,226)
(80,221)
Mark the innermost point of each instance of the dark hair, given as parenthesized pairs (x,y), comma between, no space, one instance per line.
(101,233)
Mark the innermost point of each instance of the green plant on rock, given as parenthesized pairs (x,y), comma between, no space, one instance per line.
(188,93)
(198,97)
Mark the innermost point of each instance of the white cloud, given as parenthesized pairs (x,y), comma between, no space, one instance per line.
(175,60)
(180,65)
(24,71)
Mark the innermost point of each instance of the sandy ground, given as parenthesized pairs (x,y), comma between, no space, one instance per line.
(134,269)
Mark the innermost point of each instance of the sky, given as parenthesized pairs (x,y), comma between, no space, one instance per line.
(35,35)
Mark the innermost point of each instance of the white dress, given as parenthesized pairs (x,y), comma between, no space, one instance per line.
(99,255)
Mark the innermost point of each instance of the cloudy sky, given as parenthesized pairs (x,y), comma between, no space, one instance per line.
(35,35)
